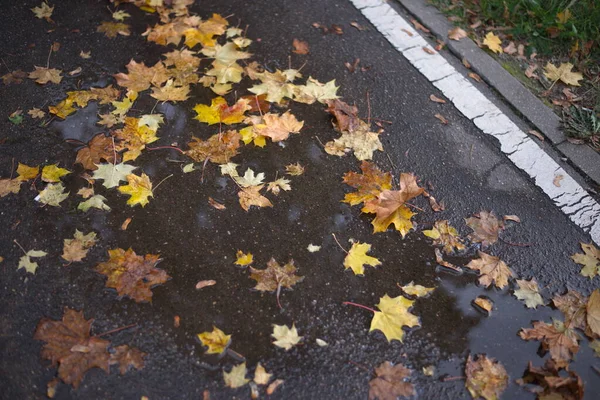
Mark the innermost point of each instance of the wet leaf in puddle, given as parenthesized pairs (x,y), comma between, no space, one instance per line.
(390,382)
(491,270)
(76,249)
(393,315)
(216,341)
(558,339)
(590,259)
(528,292)
(486,377)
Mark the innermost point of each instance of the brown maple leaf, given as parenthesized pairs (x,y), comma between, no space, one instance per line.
(485,227)
(132,275)
(573,305)
(112,29)
(491,270)
(551,385)
(593,314)
(101,147)
(486,377)
(219,148)
(370,183)
(43,75)
(346,116)
(388,201)
(250,196)
(279,127)
(15,77)
(300,46)
(389,382)
(275,276)
(126,357)
(560,340)
(141,77)
(68,344)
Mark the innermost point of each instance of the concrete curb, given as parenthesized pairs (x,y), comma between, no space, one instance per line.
(583,158)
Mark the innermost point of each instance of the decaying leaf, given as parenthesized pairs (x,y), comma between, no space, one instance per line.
(416,290)
(486,377)
(216,341)
(563,73)
(528,292)
(457,33)
(236,377)
(27,263)
(446,235)
(219,148)
(393,316)
(484,304)
(36,113)
(8,186)
(76,249)
(294,169)
(112,174)
(277,127)
(250,196)
(357,258)
(278,185)
(96,201)
(573,305)
(112,29)
(486,227)
(493,42)
(369,184)
(43,75)
(43,11)
(551,384)
(491,270)
(69,344)
(557,338)
(593,313)
(590,259)
(243,259)
(275,276)
(132,275)
(285,337)
(139,188)
(205,283)
(53,194)
(300,46)
(261,376)
(126,357)
(390,383)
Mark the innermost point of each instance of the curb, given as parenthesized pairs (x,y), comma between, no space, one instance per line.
(582,157)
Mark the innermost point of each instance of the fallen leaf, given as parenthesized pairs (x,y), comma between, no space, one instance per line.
(551,384)
(313,248)
(440,260)
(486,227)
(428,50)
(85,54)
(475,77)
(16,117)
(278,185)
(416,290)
(491,270)
(206,283)
(53,194)
(75,71)
(528,292)
(369,184)
(219,148)
(96,201)
(27,263)
(590,259)
(357,257)
(171,92)
(8,186)
(126,357)
(442,119)
(219,112)
(393,316)
(112,29)
(140,77)
(595,345)
(300,46)
(484,304)
(69,344)
(593,312)
(100,148)
(390,383)
(278,127)
(44,75)
(315,91)
(52,173)
(563,73)
(76,249)
(120,15)
(357,26)
(26,172)
(446,235)
(125,224)
(294,169)
(573,305)
(250,196)
(139,188)
(261,376)
(457,33)
(244,259)
(112,174)
(275,277)
(285,337)
(132,275)
(43,11)
(557,179)
(36,113)
(510,49)
(419,26)
(486,377)
(215,204)
(236,377)
(273,386)
(560,340)
(436,99)
(493,42)
(216,341)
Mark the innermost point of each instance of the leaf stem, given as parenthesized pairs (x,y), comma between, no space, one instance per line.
(166,147)
(349,303)
(21,247)
(115,330)
(165,178)
(339,244)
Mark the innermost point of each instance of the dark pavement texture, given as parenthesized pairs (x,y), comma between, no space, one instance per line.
(198,242)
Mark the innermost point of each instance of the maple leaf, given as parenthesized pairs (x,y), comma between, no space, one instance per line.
(14,77)
(300,46)
(171,92)
(96,201)
(315,91)
(8,186)
(216,341)
(261,376)
(219,112)
(53,194)
(101,147)
(390,383)
(140,77)
(250,196)
(27,263)
(590,259)
(551,384)
(228,53)
(275,85)
(243,259)
(357,257)
(44,75)
(493,42)
(345,115)
(593,313)
(486,228)
(529,292)
(457,33)
(112,29)
(36,113)
(219,148)
(279,184)
(69,344)
(484,303)
(563,73)
(249,178)
(125,357)
(444,234)
(486,377)
(393,316)
(76,249)
(52,173)
(236,377)
(132,275)
(278,127)
(491,270)
(275,277)
(120,15)
(595,345)
(573,305)
(134,138)
(43,11)
(370,183)
(416,290)
(139,188)
(26,172)
(557,338)
(285,337)
(294,169)
(360,140)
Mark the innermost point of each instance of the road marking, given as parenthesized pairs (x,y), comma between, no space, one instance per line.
(570,197)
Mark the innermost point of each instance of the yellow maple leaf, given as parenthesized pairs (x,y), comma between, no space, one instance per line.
(416,290)
(112,29)
(399,218)
(134,137)
(590,259)
(171,92)
(563,73)
(63,109)
(249,135)
(369,184)
(493,42)
(26,172)
(220,112)
(139,188)
(278,127)
(216,341)
(52,173)
(244,259)
(357,257)
(393,316)
(445,234)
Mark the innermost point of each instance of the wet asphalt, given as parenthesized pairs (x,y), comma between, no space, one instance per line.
(197,242)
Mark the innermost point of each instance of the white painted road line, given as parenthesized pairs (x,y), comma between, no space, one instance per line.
(570,197)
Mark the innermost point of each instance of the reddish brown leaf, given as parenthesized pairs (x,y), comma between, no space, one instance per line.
(486,377)
(560,340)
(442,119)
(125,357)
(275,276)
(428,50)
(219,148)
(436,99)
(419,26)
(300,46)
(389,382)
(100,148)
(346,118)
(551,385)
(485,227)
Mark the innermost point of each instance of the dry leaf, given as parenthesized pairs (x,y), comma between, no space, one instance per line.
(486,377)
(457,33)
(491,270)
(216,341)
(557,179)
(419,26)
(562,73)
(357,257)
(484,304)
(236,377)
(590,259)
(203,284)
(536,134)
(428,50)
(44,75)
(560,340)
(493,42)
(486,228)
(126,357)
(446,235)
(300,46)
(436,99)
(475,77)
(442,119)
(285,337)
(76,249)
(275,277)
(250,196)
(390,383)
